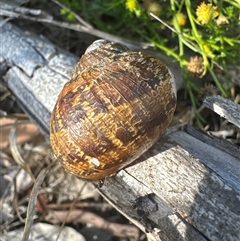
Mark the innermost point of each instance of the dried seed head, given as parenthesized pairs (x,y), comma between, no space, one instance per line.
(195,66)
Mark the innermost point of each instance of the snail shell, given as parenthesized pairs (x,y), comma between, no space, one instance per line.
(114,108)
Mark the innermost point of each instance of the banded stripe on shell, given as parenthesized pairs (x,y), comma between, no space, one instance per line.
(116,105)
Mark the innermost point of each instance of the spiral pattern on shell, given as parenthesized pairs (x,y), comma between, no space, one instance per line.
(114,108)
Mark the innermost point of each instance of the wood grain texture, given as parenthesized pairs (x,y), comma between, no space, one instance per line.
(185,188)
(225,108)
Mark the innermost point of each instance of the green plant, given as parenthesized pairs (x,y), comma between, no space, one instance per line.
(209,31)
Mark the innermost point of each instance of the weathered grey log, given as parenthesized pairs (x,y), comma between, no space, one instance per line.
(187,187)
(225,108)
(10,9)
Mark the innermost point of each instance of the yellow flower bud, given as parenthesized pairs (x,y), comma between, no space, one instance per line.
(131,5)
(181,19)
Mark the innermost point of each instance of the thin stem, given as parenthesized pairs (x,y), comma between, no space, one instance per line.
(220,87)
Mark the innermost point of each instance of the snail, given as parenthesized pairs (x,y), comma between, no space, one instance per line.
(116,105)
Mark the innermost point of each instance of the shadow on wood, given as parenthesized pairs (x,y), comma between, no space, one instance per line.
(187,187)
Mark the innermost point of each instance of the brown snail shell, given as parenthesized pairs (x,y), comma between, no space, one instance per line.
(116,105)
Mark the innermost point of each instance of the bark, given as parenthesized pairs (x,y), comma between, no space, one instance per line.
(187,187)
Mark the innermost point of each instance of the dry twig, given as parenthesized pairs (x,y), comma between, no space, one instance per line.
(77,215)
(40,16)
